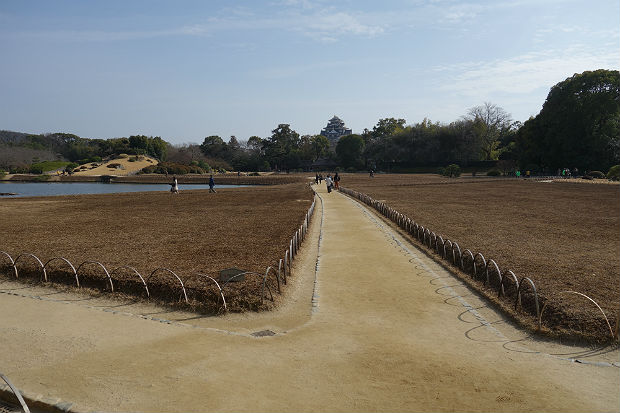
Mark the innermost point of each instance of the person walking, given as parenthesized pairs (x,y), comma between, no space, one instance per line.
(329,182)
(211,184)
(174,186)
(337,181)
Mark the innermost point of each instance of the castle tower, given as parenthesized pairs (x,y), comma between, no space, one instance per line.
(334,130)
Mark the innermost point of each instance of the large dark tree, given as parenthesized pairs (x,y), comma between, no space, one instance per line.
(379,148)
(387,127)
(153,146)
(282,148)
(349,150)
(578,126)
(213,146)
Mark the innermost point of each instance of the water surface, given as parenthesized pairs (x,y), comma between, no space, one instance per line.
(23,189)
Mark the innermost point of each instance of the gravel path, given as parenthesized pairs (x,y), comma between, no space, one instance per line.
(371,324)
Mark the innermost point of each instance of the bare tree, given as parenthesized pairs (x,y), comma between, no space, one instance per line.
(22,156)
(185,153)
(491,122)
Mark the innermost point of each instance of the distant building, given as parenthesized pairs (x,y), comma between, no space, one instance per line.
(334,130)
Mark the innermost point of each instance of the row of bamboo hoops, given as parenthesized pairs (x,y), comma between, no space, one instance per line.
(474,264)
(280,274)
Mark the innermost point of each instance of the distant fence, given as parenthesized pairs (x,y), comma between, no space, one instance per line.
(113,281)
(522,291)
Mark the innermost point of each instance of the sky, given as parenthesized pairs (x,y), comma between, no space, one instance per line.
(184,70)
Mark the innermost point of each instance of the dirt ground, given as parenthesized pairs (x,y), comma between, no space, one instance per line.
(563,235)
(192,232)
(375,326)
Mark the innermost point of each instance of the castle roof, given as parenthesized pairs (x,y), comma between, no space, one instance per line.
(335,129)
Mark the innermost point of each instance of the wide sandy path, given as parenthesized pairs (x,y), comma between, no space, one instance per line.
(389,330)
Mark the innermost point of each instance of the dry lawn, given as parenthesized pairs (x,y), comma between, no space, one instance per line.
(193,232)
(562,235)
(127,165)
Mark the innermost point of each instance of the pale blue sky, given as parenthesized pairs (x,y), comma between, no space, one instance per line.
(183,70)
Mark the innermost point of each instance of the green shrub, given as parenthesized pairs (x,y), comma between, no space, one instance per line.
(69,168)
(172,168)
(441,171)
(494,172)
(36,169)
(205,166)
(2,173)
(452,171)
(47,166)
(41,178)
(22,169)
(92,159)
(614,173)
(264,167)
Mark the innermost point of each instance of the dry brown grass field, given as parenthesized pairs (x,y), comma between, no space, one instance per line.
(564,236)
(192,232)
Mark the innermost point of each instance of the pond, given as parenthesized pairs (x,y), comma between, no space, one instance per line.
(23,189)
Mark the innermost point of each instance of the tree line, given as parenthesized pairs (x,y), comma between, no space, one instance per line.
(19,150)
(578,127)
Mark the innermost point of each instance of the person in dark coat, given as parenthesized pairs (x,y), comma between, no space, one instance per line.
(211,184)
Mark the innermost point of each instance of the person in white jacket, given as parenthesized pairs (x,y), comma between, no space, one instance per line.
(175,186)
(329,182)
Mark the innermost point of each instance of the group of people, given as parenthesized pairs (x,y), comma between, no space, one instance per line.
(566,172)
(330,182)
(175,185)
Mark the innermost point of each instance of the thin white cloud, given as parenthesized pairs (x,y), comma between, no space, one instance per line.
(523,74)
(327,25)
(461,13)
(323,25)
(453,12)
(316,19)
(304,4)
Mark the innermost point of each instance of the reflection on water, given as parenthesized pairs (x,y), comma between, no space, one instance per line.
(22,189)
